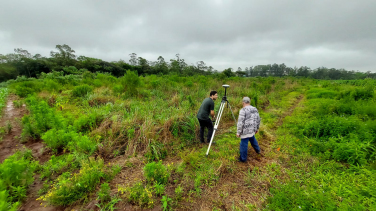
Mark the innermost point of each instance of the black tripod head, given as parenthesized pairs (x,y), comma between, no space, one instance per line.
(225,96)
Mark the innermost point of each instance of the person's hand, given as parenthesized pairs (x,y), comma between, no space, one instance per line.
(237,135)
(256,132)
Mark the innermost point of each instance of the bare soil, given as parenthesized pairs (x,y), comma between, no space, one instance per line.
(11,143)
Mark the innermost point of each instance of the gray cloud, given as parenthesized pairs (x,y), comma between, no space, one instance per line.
(223,33)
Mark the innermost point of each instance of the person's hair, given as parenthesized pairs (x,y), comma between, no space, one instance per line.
(246,100)
(213,93)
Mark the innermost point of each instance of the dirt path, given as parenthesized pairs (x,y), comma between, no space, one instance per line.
(288,113)
(11,117)
(11,143)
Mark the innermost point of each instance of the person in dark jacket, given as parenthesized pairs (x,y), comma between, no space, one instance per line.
(248,125)
(206,109)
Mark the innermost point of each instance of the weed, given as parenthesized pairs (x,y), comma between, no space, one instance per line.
(16,174)
(110,206)
(2,132)
(70,187)
(17,103)
(156,172)
(8,127)
(159,189)
(3,98)
(140,195)
(179,192)
(104,193)
(131,82)
(81,91)
(166,203)
(156,151)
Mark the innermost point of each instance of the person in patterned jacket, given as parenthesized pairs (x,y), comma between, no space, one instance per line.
(248,126)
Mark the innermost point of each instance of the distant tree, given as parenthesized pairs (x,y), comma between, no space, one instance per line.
(303,71)
(7,71)
(177,65)
(161,66)
(64,56)
(240,72)
(246,70)
(144,66)
(210,70)
(133,59)
(201,66)
(228,72)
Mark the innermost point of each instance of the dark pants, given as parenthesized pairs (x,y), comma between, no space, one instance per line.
(244,147)
(203,124)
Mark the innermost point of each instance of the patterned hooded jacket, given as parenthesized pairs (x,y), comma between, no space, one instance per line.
(248,122)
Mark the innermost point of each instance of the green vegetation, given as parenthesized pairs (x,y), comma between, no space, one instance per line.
(3,99)
(326,130)
(16,174)
(318,138)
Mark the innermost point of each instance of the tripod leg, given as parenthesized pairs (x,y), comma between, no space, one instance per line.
(216,124)
(228,103)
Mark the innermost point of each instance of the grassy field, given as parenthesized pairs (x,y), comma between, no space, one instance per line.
(132,142)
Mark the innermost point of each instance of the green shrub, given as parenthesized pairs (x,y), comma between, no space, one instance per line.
(82,90)
(16,174)
(88,122)
(58,139)
(159,189)
(179,192)
(52,85)
(118,89)
(58,164)
(82,144)
(26,88)
(156,172)
(166,203)
(104,193)
(363,93)
(332,126)
(41,118)
(131,82)
(4,204)
(70,187)
(140,195)
(3,98)
(69,139)
(189,83)
(87,74)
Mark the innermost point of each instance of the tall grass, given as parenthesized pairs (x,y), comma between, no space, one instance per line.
(3,98)
(332,126)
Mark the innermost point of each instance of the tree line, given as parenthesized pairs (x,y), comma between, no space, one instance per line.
(22,63)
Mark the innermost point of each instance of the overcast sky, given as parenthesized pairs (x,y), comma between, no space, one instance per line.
(222,33)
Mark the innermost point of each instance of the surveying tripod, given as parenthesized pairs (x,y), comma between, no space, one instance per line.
(220,112)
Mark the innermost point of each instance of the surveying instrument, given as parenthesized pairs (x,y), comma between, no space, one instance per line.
(220,112)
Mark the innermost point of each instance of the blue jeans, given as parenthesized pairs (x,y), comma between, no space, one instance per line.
(244,147)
